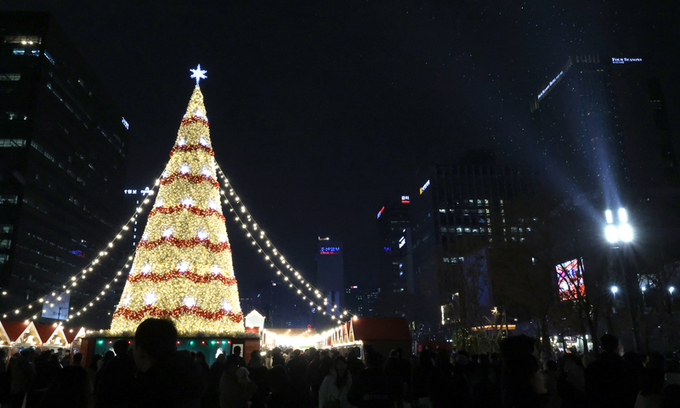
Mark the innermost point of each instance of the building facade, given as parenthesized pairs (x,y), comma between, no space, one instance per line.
(459,213)
(63,146)
(331,272)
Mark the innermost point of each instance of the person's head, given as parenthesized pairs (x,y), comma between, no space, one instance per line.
(77,358)
(120,347)
(609,343)
(200,358)
(109,355)
(155,341)
(340,365)
(237,350)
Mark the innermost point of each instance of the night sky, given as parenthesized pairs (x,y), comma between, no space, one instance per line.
(320,111)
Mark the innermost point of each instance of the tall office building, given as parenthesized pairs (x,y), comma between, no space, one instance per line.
(63,144)
(458,213)
(331,271)
(396,264)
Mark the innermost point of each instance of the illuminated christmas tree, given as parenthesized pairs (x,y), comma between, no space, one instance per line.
(182,269)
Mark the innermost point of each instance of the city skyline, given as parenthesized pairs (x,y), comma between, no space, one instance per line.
(319,114)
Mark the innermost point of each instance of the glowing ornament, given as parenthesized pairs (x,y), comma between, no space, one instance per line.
(187,202)
(203,141)
(184,169)
(146,268)
(181,142)
(215,269)
(167,233)
(206,171)
(159,202)
(126,300)
(145,236)
(149,298)
(199,113)
(226,306)
(198,73)
(213,205)
(183,267)
(202,235)
(223,238)
(189,302)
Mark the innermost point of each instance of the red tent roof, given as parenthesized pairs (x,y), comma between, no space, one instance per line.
(70,333)
(14,329)
(45,331)
(381,328)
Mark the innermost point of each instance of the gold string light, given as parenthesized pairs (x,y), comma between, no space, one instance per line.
(249,226)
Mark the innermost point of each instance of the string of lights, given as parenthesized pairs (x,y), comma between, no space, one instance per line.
(271,254)
(72,282)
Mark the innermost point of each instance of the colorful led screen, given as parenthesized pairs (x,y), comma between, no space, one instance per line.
(570,280)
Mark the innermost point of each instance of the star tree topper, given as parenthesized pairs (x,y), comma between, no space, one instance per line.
(198,73)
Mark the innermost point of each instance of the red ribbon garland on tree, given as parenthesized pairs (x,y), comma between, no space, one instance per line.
(192,209)
(194,277)
(191,148)
(177,312)
(185,243)
(194,119)
(190,177)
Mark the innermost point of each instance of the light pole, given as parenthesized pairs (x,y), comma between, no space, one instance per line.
(670,303)
(623,232)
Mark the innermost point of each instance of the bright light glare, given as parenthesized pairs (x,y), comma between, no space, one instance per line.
(671,290)
(611,233)
(615,289)
(608,216)
(625,232)
(623,215)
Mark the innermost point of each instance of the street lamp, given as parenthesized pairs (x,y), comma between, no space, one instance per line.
(671,290)
(622,232)
(614,290)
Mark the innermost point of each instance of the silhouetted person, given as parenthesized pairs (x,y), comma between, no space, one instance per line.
(236,389)
(236,357)
(71,388)
(211,399)
(336,385)
(610,381)
(258,375)
(22,373)
(420,377)
(369,389)
(277,358)
(77,359)
(354,363)
(166,378)
(279,384)
(116,379)
(522,383)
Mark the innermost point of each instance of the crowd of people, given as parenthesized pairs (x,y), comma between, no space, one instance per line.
(152,373)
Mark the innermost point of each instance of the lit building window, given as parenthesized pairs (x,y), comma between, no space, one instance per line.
(10,77)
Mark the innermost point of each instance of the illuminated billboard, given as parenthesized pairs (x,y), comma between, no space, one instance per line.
(570,279)
(57,306)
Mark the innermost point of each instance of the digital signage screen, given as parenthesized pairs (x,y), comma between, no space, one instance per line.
(570,280)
